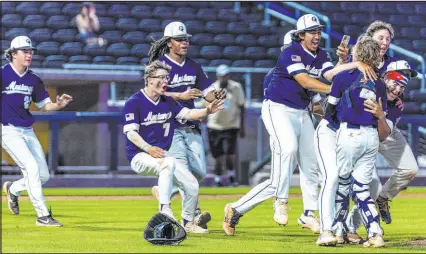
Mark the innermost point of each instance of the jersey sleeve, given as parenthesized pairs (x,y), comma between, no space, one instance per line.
(291,61)
(130,116)
(203,81)
(40,95)
(327,65)
(336,92)
(179,112)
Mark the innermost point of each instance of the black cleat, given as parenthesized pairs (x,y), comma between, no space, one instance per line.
(12,200)
(48,221)
(384,209)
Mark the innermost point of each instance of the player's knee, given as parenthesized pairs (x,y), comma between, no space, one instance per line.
(44,177)
(192,189)
(169,164)
(413,172)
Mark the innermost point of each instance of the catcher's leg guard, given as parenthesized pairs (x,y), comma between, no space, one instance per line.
(369,214)
(342,205)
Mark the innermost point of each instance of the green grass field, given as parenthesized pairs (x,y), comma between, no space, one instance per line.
(117,226)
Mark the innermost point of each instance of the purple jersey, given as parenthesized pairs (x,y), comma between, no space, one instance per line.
(352,100)
(154,120)
(293,60)
(185,76)
(18,91)
(393,112)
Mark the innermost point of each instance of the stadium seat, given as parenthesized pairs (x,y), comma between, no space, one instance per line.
(367,6)
(421,8)
(202,61)
(258,29)
(140,50)
(403,43)
(406,8)
(386,8)
(28,8)
(312,5)
(233,52)
(144,61)
(11,20)
(106,23)
(51,9)
(246,40)
(194,51)
(249,17)
(141,12)
(412,107)
(155,36)
(165,22)
(184,13)
(242,63)
(13,32)
(195,26)
(238,28)
(265,63)
(72,9)
(227,15)
(112,36)
(34,21)
(160,12)
(119,49)
(397,20)
(58,22)
(178,4)
(340,18)
(41,34)
(221,5)
(54,61)
(353,30)
(419,45)
(409,32)
(211,52)
(270,40)
(134,37)
(48,48)
(206,14)
(216,27)
(104,60)
(101,9)
(330,6)
(413,84)
(9,4)
(202,39)
(255,53)
(7,10)
(418,20)
(5,44)
(128,60)
(94,50)
(37,61)
(119,11)
(71,48)
(361,18)
(127,24)
(224,39)
(150,25)
(273,53)
(197,5)
(65,35)
(217,62)
(82,59)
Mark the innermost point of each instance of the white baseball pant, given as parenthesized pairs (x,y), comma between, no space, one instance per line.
(23,146)
(169,171)
(291,131)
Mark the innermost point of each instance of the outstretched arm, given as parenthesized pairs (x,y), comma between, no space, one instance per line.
(199,114)
(61,102)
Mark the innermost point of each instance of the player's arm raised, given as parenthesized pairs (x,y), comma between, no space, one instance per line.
(61,101)
(198,114)
(368,72)
(312,84)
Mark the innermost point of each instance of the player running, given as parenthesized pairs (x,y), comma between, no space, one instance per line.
(149,118)
(20,87)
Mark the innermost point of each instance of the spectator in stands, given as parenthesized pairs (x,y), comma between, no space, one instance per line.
(88,25)
(224,126)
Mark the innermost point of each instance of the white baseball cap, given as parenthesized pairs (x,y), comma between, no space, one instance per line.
(308,22)
(21,42)
(176,29)
(222,70)
(403,66)
(287,37)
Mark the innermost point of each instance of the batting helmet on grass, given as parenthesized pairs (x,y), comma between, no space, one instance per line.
(163,230)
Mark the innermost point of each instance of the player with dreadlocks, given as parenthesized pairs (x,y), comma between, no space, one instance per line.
(187,82)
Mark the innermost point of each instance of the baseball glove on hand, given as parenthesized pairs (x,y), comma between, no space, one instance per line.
(163,230)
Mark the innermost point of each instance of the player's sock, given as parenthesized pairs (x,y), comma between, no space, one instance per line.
(308,213)
(164,206)
(185,222)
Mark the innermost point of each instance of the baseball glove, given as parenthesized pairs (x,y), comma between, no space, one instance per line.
(163,230)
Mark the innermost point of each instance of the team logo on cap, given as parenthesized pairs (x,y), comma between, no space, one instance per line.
(406,65)
(181,28)
(28,41)
(314,19)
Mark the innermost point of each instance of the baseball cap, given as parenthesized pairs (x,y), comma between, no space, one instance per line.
(401,66)
(176,29)
(21,42)
(308,22)
(287,37)
(222,70)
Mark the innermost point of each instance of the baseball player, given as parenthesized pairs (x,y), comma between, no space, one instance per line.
(359,133)
(188,82)
(287,99)
(149,126)
(395,148)
(20,87)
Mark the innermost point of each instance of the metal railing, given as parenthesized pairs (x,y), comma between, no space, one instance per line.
(272,8)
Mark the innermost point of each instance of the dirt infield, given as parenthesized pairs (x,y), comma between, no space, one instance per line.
(235,196)
(418,243)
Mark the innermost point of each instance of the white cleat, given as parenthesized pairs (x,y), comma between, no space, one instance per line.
(191,227)
(326,238)
(280,212)
(375,241)
(309,221)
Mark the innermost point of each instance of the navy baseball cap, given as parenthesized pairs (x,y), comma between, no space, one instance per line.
(308,22)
